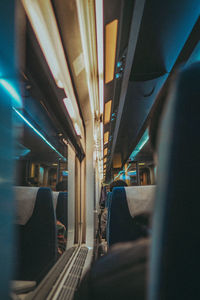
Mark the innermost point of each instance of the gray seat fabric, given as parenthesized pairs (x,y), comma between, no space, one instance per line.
(25,198)
(140,199)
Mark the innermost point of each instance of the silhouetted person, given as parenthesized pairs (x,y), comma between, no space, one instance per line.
(117,183)
(61,186)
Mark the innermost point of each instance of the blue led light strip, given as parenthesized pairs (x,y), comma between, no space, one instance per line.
(122,172)
(13,93)
(36,131)
(144,139)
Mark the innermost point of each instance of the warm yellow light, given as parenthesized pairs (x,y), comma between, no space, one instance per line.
(107,111)
(100,47)
(69,107)
(105,160)
(101,146)
(106,135)
(141,164)
(105,151)
(117,163)
(86,18)
(36,18)
(110,51)
(42,18)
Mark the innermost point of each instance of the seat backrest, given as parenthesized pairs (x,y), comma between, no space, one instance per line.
(62,208)
(175,254)
(37,250)
(140,199)
(126,203)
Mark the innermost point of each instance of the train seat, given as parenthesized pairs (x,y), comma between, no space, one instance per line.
(128,202)
(62,208)
(174,262)
(60,201)
(36,225)
(140,199)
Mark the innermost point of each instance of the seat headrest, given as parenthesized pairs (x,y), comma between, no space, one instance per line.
(140,199)
(55,199)
(25,198)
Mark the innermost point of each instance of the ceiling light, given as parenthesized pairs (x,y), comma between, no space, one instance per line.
(77,129)
(105,151)
(107,111)
(106,135)
(110,51)
(60,84)
(86,20)
(100,48)
(69,107)
(35,14)
(42,18)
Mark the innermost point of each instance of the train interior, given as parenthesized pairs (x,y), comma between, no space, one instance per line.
(95,92)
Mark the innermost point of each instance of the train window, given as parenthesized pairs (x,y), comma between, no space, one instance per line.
(38,162)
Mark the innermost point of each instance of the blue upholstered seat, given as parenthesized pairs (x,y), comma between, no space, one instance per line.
(62,208)
(125,205)
(121,225)
(37,250)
